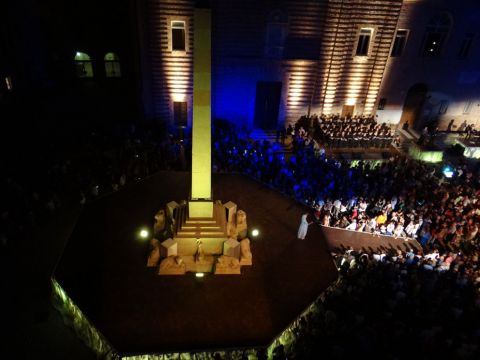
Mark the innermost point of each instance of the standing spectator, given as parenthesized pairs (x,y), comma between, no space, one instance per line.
(450,124)
(302,230)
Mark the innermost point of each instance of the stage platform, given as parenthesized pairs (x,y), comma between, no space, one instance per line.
(425,153)
(339,240)
(103,270)
(471,147)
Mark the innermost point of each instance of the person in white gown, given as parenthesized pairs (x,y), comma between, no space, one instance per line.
(302,230)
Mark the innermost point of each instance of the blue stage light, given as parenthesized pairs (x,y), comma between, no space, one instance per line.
(447,171)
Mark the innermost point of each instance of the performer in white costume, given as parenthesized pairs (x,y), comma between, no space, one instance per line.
(302,230)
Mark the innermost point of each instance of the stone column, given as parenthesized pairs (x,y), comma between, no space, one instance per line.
(200,204)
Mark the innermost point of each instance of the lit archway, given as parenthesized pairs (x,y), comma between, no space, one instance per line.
(83,65)
(412,107)
(112,65)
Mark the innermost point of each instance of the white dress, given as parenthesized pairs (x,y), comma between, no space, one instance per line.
(302,230)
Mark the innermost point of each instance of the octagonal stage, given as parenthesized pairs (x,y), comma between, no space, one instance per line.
(103,270)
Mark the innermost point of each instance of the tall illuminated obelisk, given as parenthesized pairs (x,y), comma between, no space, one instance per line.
(201,204)
(209,237)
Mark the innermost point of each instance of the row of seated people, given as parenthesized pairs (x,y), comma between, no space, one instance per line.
(355,133)
(377,139)
(337,118)
(352,128)
(349,132)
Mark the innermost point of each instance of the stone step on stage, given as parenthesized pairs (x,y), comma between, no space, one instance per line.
(200,221)
(210,231)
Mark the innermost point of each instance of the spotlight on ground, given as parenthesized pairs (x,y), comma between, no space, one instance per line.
(143,234)
(447,171)
(255,232)
(199,275)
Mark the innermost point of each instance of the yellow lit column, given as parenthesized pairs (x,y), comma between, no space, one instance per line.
(200,204)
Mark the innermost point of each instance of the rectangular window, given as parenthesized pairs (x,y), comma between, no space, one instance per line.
(363,42)
(399,42)
(443,107)
(178,35)
(433,43)
(468,107)
(382,103)
(180,115)
(466,46)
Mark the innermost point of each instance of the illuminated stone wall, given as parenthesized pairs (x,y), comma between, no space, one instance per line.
(171,71)
(317,62)
(317,65)
(303,56)
(348,79)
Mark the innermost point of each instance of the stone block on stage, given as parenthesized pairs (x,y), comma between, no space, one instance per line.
(227,265)
(171,206)
(245,252)
(231,247)
(159,224)
(154,255)
(230,211)
(169,248)
(172,265)
(241,224)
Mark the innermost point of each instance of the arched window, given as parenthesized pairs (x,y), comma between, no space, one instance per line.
(83,65)
(112,65)
(277,30)
(436,34)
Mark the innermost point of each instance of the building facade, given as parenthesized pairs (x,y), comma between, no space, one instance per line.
(414,61)
(273,61)
(434,75)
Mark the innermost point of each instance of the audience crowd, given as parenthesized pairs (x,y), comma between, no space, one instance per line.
(411,303)
(393,305)
(399,197)
(408,303)
(80,170)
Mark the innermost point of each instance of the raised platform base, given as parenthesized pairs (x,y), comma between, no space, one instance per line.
(180,265)
(142,314)
(418,153)
(209,244)
(204,264)
(227,265)
(471,149)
